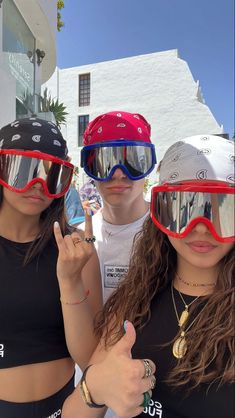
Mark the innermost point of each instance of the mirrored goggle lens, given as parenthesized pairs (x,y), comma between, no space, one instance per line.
(18,170)
(137,160)
(176,209)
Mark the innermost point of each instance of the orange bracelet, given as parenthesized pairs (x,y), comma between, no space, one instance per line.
(77,302)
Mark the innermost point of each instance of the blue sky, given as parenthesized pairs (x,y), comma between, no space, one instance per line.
(202,31)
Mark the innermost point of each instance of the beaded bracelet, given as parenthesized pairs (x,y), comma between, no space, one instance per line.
(77,302)
(86,396)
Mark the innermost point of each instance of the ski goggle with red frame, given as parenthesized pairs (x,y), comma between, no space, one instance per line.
(176,209)
(19,170)
(136,159)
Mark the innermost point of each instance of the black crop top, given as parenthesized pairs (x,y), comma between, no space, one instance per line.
(31,321)
(167,402)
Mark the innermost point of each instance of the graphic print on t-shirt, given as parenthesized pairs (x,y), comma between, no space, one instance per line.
(113,275)
(1,350)
(154,409)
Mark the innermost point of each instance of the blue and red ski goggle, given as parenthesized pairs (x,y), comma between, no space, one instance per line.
(136,159)
(20,170)
(176,209)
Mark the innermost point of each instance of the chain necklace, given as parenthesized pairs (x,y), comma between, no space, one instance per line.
(113,234)
(194,284)
(180,345)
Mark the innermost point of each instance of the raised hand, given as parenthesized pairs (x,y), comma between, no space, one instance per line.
(74,251)
(119,382)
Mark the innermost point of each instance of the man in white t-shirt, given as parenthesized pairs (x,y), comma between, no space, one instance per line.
(118,155)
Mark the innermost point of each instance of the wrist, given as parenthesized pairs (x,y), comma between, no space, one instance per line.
(74,301)
(73,295)
(73,289)
(88,388)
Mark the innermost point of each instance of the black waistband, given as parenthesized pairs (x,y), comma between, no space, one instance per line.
(50,407)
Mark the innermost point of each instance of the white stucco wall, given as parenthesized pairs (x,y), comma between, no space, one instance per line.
(160,86)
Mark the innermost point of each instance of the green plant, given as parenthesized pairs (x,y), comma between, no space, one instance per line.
(47,104)
(60,5)
(59,112)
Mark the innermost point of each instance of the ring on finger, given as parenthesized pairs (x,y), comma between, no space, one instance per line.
(148,371)
(76,241)
(147,398)
(89,240)
(152,382)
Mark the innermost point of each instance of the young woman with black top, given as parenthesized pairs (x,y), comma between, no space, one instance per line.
(46,316)
(178,297)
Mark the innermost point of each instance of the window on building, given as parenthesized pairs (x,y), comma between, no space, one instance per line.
(84,89)
(83,121)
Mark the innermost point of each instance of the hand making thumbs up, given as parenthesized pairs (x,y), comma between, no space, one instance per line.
(120,382)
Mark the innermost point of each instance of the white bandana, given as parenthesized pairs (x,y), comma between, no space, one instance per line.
(198,157)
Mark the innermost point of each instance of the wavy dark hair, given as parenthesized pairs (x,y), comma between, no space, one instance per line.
(55,212)
(210,341)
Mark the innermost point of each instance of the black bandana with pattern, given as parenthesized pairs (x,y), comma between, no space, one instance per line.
(34,134)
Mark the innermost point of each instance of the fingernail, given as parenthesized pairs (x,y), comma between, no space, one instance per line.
(125,324)
(56,224)
(89,211)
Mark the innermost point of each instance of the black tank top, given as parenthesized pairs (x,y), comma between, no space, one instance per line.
(31,321)
(167,402)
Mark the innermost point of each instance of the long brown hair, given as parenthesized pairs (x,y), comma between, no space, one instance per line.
(55,212)
(153,262)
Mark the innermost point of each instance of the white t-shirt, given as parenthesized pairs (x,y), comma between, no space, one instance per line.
(113,245)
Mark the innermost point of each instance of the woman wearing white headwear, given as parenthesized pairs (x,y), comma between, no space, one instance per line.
(178,294)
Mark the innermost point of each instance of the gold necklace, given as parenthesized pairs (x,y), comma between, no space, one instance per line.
(194,284)
(180,345)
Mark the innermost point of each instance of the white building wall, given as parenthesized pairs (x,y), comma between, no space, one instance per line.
(160,86)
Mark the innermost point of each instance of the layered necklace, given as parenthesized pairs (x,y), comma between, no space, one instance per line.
(180,345)
(194,284)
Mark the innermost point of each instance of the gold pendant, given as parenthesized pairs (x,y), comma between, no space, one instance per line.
(180,346)
(183,318)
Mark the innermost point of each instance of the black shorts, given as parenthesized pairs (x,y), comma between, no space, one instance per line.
(46,408)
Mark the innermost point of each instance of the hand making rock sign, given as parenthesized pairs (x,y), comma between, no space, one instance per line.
(74,252)
(79,297)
